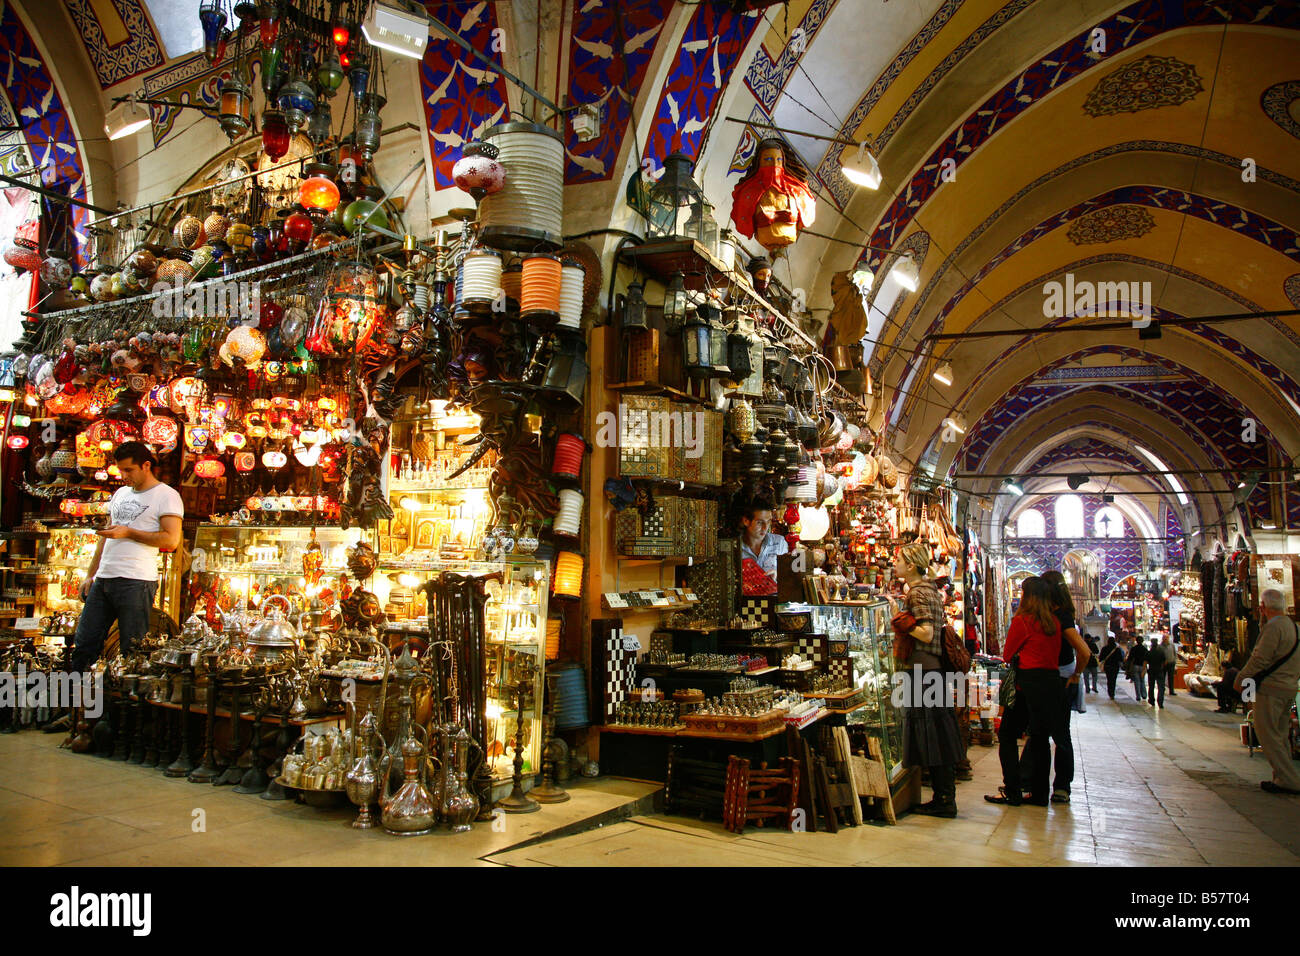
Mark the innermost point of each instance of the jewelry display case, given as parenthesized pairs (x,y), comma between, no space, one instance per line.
(865,628)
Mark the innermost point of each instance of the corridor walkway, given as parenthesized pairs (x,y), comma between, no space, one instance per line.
(1161,788)
(1152,788)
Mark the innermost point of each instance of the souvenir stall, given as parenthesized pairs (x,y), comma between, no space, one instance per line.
(376,435)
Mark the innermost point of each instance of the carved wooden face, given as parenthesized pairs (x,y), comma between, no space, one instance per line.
(772,156)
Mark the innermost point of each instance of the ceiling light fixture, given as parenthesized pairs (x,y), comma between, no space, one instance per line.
(1014,487)
(125,118)
(861,168)
(906,272)
(956,422)
(397,26)
(943,374)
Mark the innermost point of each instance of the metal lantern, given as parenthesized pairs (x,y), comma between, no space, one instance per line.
(675,303)
(235,114)
(701,225)
(718,359)
(329,75)
(673,196)
(567,371)
(369,124)
(696,349)
(275,134)
(296,100)
(212,20)
(634,313)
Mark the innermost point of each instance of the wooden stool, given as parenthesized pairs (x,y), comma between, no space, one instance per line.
(755,796)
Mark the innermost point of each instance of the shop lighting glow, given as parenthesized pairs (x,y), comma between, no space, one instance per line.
(860,167)
(1014,487)
(906,273)
(943,374)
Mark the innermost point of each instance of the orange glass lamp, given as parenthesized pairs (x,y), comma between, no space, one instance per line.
(568,575)
(318,194)
(209,468)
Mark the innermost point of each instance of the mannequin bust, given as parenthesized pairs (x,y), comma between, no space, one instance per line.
(772,201)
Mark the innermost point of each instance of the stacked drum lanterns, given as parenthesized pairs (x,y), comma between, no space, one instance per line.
(527,214)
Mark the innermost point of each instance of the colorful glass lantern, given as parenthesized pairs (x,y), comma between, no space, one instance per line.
(296,101)
(369,124)
(348,312)
(161,431)
(358,75)
(17,442)
(212,19)
(318,194)
(209,468)
(245,461)
(275,460)
(321,124)
(341,35)
(245,343)
(298,229)
(478,172)
(329,75)
(269,26)
(24,254)
(567,583)
(235,114)
(275,134)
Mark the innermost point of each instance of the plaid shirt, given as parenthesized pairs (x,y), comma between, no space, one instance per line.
(925,604)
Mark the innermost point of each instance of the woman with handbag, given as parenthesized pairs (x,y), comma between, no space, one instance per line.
(930,736)
(1033,648)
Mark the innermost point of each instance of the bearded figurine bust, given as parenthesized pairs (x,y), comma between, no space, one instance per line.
(772,202)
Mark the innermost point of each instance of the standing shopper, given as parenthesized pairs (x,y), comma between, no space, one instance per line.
(1171,662)
(1137,659)
(1112,658)
(1274,669)
(1156,673)
(929,727)
(1034,638)
(144,516)
(1090,672)
(1074,656)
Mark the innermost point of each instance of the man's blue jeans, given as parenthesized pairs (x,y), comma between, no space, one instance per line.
(124,600)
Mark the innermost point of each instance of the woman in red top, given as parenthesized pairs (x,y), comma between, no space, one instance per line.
(1034,644)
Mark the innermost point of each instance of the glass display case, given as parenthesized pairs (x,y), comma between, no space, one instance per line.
(870,639)
(516,643)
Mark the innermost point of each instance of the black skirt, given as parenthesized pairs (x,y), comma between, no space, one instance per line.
(930,737)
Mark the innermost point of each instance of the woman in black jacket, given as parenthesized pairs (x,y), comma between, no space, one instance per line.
(1111,658)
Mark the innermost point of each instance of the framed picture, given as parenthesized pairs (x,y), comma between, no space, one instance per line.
(424,533)
(400,525)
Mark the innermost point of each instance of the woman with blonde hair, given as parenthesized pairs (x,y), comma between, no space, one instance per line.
(1033,646)
(930,736)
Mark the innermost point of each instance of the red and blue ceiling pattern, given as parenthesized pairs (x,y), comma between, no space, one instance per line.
(1174,536)
(714,41)
(766,77)
(598,73)
(1118,557)
(1127,28)
(47,128)
(140,51)
(456,107)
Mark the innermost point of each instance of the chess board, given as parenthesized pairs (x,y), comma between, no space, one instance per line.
(840,668)
(756,611)
(812,647)
(613,667)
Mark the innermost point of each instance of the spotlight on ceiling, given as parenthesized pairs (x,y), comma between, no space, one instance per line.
(957,422)
(861,168)
(125,118)
(943,374)
(1013,487)
(1076,481)
(906,273)
(398,26)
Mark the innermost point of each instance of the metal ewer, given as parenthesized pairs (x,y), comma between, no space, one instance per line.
(362,779)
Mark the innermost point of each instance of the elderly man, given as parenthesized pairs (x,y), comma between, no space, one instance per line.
(1273,671)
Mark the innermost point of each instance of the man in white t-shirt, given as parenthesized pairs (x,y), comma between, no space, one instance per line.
(144,516)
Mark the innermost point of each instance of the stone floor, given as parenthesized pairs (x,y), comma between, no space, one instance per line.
(1172,787)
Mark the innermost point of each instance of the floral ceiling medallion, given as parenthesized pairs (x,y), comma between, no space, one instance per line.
(1146,83)
(1110,224)
(1281,103)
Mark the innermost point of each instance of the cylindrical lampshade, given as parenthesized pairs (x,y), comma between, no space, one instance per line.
(512,280)
(569,449)
(567,582)
(568,520)
(553,628)
(528,211)
(572,279)
(539,300)
(480,279)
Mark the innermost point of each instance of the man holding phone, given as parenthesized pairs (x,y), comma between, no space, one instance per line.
(144,517)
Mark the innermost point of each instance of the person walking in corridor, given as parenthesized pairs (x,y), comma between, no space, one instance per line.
(1156,674)
(1090,672)
(1112,658)
(1171,662)
(1137,659)
(1273,672)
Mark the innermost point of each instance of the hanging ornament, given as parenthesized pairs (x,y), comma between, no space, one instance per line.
(478,172)
(24,254)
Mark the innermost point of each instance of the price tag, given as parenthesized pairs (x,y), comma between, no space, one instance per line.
(631,642)
(27,624)
(691,596)
(660,600)
(647,596)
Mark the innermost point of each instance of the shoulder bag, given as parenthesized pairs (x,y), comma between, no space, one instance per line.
(956,659)
(1007,692)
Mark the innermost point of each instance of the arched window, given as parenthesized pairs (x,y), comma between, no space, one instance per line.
(1069,517)
(1108,523)
(1030,524)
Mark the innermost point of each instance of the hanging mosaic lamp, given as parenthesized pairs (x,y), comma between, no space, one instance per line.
(330,74)
(477,171)
(318,193)
(24,254)
(235,113)
(320,126)
(296,101)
